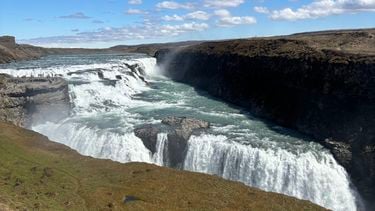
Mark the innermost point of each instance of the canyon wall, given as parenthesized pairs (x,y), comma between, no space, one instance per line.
(325,92)
(27,100)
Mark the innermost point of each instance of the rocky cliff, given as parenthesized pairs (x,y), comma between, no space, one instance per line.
(27,100)
(10,51)
(322,84)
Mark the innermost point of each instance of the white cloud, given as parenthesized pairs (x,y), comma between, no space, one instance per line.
(172,5)
(136,12)
(197,15)
(322,8)
(223,3)
(175,30)
(235,20)
(222,13)
(227,20)
(135,1)
(263,10)
(77,15)
(147,30)
(173,18)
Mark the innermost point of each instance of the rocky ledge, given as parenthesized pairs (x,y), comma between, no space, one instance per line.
(29,100)
(321,84)
(178,130)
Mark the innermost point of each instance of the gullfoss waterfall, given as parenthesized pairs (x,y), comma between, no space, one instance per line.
(113,94)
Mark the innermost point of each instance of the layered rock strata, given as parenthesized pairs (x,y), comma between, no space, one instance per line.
(24,101)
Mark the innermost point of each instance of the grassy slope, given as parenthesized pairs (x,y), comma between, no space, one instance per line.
(37,173)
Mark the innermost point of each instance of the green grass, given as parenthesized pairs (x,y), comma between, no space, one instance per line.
(37,174)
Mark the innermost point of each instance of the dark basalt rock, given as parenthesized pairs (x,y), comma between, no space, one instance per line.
(149,136)
(100,75)
(184,126)
(327,94)
(341,151)
(179,130)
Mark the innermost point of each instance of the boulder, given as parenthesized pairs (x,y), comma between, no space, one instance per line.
(184,126)
(149,136)
(179,130)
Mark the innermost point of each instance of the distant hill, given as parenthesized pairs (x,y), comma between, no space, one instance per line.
(354,41)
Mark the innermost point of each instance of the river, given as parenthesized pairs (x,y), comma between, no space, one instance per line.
(107,106)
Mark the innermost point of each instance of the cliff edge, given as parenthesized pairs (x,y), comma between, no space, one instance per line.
(27,100)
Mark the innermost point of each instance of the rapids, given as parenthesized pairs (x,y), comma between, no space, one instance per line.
(112,94)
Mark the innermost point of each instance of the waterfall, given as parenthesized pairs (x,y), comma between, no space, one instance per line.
(97,143)
(158,157)
(106,110)
(317,178)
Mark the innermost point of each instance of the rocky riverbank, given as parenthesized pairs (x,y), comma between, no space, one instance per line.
(322,84)
(27,100)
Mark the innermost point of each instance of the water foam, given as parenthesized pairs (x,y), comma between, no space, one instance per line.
(306,176)
(99,102)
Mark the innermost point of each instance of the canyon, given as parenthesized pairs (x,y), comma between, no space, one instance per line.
(321,84)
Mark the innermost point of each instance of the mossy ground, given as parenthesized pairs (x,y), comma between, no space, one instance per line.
(37,174)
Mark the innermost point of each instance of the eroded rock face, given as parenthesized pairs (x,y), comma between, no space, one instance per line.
(148,134)
(179,130)
(341,151)
(8,41)
(11,51)
(184,127)
(30,100)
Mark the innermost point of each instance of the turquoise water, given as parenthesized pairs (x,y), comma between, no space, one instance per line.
(238,146)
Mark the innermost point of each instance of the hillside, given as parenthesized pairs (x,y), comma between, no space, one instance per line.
(36,173)
(10,51)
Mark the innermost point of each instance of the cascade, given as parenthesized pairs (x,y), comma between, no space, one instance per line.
(109,99)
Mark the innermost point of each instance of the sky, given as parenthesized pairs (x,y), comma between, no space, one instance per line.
(105,23)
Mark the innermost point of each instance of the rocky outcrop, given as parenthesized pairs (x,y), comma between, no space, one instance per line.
(297,82)
(184,127)
(179,130)
(8,41)
(30,100)
(11,51)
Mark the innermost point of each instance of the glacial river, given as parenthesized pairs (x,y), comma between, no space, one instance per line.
(238,146)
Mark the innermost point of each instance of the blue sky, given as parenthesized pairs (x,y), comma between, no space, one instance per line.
(104,23)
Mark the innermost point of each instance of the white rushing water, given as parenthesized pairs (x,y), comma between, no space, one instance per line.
(106,109)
